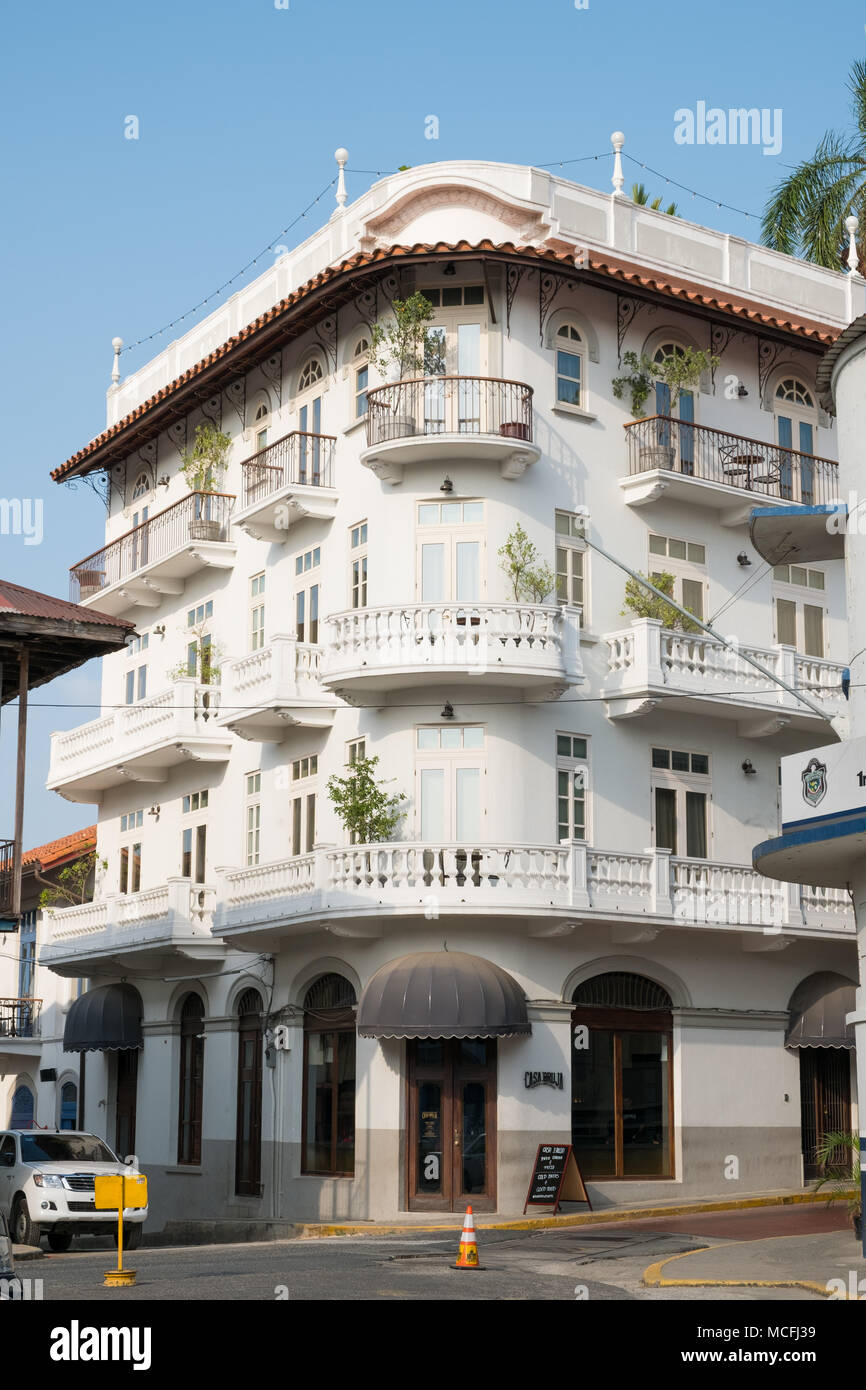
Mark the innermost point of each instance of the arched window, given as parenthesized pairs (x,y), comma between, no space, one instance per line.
(191,1080)
(261,421)
(142,487)
(23,1108)
(622,1072)
(570,357)
(796,422)
(311,372)
(329,1077)
(248,1142)
(68,1105)
(361,369)
(680,439)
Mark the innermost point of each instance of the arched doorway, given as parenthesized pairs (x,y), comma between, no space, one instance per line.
(622,1075)
(23,1108)
(328,1145)
(818,1032)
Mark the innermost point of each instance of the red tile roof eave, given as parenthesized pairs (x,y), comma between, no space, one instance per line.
(610,267)
(57,851)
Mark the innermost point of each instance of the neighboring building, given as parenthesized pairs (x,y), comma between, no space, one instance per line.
(34,1001)
(583,788)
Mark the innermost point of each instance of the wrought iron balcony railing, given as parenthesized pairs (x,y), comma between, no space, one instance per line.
(200,516)
(300,459)
(717,456)
(20,1018)
(449,405)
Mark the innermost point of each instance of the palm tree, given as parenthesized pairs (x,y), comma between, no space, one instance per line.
(640,195)
(807,210)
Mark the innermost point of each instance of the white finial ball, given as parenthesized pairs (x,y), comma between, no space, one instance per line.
(851,224)
(617,139)
(117,344)
(341,155)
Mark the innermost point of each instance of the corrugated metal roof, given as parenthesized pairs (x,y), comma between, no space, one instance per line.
(29,603)
(612,267)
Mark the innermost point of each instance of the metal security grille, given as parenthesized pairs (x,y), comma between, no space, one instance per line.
(825,1101)
(330,992)
(619,990)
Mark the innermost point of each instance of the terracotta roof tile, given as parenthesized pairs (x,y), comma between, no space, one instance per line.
(612,267)
(67,847)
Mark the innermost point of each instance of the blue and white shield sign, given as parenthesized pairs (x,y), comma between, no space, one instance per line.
(814,782)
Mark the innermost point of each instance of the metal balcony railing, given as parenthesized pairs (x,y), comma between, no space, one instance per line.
(20,1018)
(718,456)
(200,516)
(300,459)
(449,405)
(7,859)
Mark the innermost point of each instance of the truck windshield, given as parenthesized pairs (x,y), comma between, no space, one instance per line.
(65,1148)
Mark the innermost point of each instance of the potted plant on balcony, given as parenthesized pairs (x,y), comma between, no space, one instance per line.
(203,467)
(75,883)
(530,577)
(363,806)
(679,372)
(642,603)
(89,582)
(400,349)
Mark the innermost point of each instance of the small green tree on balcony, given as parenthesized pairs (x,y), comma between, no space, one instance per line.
(204,465)
(73,885)
(528,575)
(641,602)
(365,809)
(680,371)
(400,344)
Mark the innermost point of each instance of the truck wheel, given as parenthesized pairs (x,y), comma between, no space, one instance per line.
(132,1237)
(59,1241)
(24,1231)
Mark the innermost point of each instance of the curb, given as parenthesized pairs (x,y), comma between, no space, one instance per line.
(653,1278)
(323,1230)
(20,1253)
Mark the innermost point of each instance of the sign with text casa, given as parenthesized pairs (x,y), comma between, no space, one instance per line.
(824,784)
(555,1178)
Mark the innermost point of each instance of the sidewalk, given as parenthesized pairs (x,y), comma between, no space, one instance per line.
(796,1261)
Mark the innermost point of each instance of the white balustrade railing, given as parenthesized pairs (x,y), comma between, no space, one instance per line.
(179,712)
(647,656)
(282,670)
(571,875)
(118,918)
(540,637)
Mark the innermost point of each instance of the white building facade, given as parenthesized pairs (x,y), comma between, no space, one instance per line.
(583,787)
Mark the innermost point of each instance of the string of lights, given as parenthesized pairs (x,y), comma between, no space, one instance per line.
(381,173)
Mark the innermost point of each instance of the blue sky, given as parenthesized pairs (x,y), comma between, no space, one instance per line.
(240,108)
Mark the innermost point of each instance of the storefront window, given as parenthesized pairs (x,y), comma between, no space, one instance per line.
(329,1078)
(621,1078)
(191,1080)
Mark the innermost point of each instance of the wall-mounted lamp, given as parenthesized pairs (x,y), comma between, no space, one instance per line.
(743,559)
(450,269)
(154,811)
(748,768)
(164,480)
(742,392)
(447,485)
(447,710)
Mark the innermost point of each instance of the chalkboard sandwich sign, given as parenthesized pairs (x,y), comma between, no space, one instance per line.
(555,1178)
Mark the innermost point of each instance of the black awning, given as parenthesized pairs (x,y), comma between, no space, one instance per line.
(818,1008)
(442,994)
(106,1019)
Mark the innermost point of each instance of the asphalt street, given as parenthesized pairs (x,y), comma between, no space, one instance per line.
(580,1263)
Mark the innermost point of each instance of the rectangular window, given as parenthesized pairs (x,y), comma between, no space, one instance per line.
(193,852)
(687,562)
(131,820)
(200,614)
(252,818)
(195,801)
(358,565)
(800,614)
(450,772)
(356,750)
(450,563)
(362,378)
(136,685)
(454,296)
(139,643)
(304,805)
(572,779)
(570,559)
(681,796)
(130,868)
(257,612)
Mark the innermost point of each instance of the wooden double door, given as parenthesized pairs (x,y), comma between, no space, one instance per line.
(451,1155)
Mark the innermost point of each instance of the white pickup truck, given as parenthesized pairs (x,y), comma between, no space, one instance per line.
(46,1185)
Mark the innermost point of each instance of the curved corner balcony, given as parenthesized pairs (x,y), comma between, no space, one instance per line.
(535,647)
(437,419)
(157,557)
(269,691)
(290,479)
(139,743)
(678,461)
(650,666)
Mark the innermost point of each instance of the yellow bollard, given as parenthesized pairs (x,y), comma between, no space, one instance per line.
(110,1192)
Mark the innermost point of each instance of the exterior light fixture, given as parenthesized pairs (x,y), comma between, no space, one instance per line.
(164,480)
(450,269)
(748,768)
(447,710)
(447,485)
(743,559)
(742,392)
(154,811)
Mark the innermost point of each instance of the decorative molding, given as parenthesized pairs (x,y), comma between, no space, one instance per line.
(768,355)
(212,410)
(326,333)
(178,434)
(530,225)
(514,275)
(627,309)
(236,395)
(272,370)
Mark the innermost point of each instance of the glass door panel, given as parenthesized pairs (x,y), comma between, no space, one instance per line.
(428,1151)
(469,365)
(432,804)
(593,1108)
(696,825)
(645,1136)
(473,1138)
(666,818)
(468,803)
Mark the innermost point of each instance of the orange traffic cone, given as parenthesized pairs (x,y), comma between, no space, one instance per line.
(467,1255)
